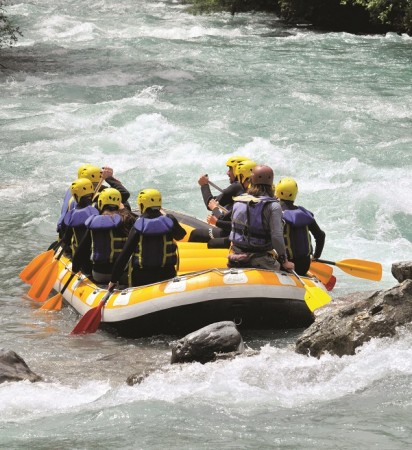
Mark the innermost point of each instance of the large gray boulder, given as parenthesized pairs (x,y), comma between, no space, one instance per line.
(341,331)
(208,343)
(402,270)
(13,368)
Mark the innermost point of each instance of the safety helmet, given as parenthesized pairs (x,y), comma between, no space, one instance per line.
(234,160)
(243,170)
(109,196)
(93,173)
(80,188)
(149,198)
(286,189)
(262,175)
(81,168)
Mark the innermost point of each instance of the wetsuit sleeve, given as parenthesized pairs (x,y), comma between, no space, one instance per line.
(273,213)
(82,256)
(225,222)
(225,198)
(124,256)
(178,231)
(319,236)
(206,194)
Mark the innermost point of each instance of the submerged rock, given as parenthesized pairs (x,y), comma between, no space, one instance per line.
(372,315)
(208,344)
(14,368)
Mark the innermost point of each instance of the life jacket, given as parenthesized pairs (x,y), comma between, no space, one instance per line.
(296,232)
(76,219)
(248,232)
(68,203)
(108,237)
(155,247)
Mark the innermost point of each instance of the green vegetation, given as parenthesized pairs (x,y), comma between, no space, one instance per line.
(8,32)
(358,16)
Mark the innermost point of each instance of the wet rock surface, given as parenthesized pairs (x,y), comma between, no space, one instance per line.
(14,368)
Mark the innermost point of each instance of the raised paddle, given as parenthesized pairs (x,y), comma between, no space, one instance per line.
(28,274)
(315,297)
(215,186)
(45,280)
(358,268)
(90,322)
(55,303)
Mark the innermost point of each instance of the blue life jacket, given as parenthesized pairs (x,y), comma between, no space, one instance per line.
(76,219)
(68,203)
(156,247)
(108,237)
(296,232)
(248,231)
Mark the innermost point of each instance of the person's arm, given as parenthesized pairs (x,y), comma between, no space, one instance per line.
(124,256)
(276,234)
(178,231)
(319,236)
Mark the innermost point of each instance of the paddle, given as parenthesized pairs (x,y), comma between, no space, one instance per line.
(28,274)
(44,281)
(215,186)
(55,303)
(96,191)
(358,268)
(315,297)
(90,322)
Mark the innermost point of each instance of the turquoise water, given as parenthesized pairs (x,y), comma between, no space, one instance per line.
(162,97)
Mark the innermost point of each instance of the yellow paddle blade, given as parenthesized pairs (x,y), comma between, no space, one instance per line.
(360,268)
(315,297)
(43,284)
(28,274)
(321,271)
(53,304)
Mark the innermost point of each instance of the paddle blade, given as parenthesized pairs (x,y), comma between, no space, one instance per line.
(53,304)
(321,271)
(360,268)
(28,274)
(43,284)
(331,283)
(90,322)
(315,297)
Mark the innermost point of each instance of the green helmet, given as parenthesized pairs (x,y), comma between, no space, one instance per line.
(286,189)
(80,188)
(109,196)
(243,170)
(149,198)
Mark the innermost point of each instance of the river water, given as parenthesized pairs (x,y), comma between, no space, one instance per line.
(163,96)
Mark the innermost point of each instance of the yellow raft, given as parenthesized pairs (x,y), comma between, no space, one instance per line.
(205,291)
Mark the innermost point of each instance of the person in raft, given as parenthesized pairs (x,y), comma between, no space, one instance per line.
(224,199)
(299,225)
(105,238)
(105,174)
(257,228)
(150,245)
(222,220)
(73,227)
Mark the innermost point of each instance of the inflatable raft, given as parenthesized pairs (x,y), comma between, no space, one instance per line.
(253,299)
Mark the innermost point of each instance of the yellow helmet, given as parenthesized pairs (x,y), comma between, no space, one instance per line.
(286,189)
(81,187)
(149,198)
(234,160)
(81,168)
(92,173)
(243,169)
(109,196)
